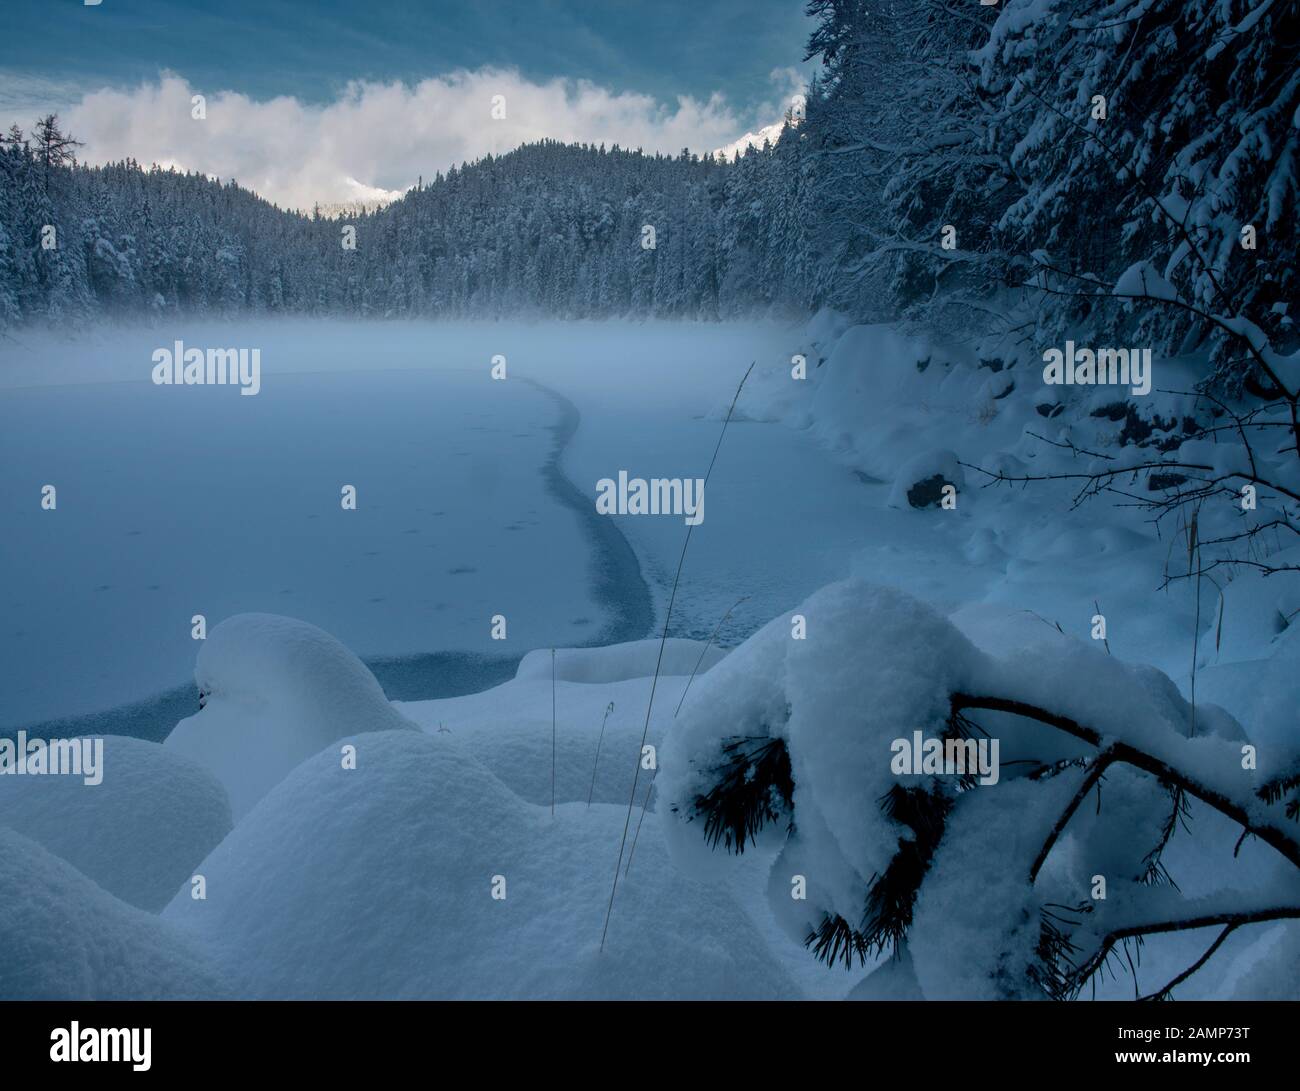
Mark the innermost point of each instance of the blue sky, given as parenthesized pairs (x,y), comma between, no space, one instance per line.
(331,100)
(310,48)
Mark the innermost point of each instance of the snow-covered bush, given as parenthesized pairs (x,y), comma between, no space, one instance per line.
(990,872)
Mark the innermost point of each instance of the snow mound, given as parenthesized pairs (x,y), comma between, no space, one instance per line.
(378,882)
(138,833)
(66,939)
(827,326)
(1263,693)
(879,390)
(869,366)
(508,729)
(619,662)
(275,691)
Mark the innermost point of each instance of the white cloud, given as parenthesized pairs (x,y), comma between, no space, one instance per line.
(359,191)
(378,138)
(789,81)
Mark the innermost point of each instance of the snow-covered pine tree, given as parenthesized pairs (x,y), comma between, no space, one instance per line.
(1155,136)
(898,132)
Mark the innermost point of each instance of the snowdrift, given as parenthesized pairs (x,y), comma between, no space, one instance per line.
(508,729)
(67,939)
(619,662)
(378,882)
(139,833)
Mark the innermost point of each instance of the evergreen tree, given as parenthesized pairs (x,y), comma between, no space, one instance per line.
(53,147)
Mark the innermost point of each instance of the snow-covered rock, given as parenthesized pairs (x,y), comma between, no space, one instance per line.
(379,881)
(921,480)
(138,833)
(275,691)
(67,939)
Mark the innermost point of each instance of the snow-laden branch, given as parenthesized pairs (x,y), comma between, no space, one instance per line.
(788,743)
(1237,327)
(1094,774)
(1166,756)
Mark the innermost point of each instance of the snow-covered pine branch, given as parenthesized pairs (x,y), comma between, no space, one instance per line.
(787,748)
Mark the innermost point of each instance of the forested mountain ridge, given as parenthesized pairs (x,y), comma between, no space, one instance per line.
(565,230)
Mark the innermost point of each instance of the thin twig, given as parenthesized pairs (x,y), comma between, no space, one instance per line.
(552,732)
(645,804)
(663,640)
(704,652)
(1227,931)
(1092,777)
(592,790)
(1280,839)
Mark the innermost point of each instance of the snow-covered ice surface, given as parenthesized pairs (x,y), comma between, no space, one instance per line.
(180,501)
(175,502)
(407,413)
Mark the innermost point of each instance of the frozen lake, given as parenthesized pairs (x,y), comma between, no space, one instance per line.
(475,498)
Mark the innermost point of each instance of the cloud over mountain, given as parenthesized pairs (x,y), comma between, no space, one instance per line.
(383,136)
